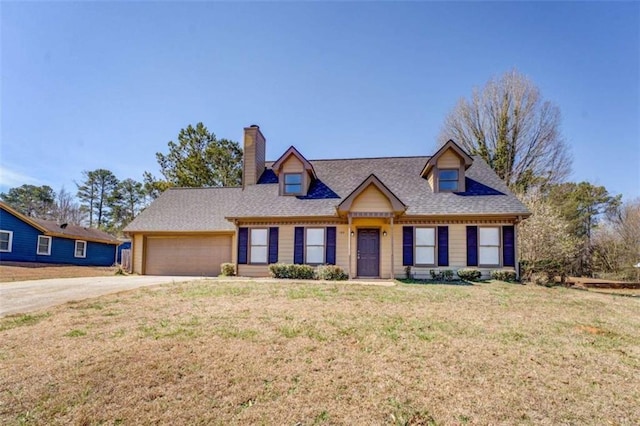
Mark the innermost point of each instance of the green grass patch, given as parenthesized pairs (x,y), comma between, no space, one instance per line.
(76,333)
(22,320)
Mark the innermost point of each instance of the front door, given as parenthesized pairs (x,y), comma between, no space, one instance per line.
(368,252)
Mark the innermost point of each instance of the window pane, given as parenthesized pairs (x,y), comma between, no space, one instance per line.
(489,256)
(259,237)
(4,241)
(489,237)
(425,256)
(448,174)
(80,247)
(315,254)
(448,185)
(315,237)
(292,189)
(425,237)
(258,254)
(43,245)
(295,178)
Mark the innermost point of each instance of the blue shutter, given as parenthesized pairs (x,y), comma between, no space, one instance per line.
(508,246)
(298,245)
(243,245)
(407,246)
(443,246)
(273,245)
(330,249)
(472,246)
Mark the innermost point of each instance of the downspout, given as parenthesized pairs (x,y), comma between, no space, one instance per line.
(515,245)
(349,245)
(392,249)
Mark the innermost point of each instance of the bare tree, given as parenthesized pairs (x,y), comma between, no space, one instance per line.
(67,210)
(617,242)
(513,129)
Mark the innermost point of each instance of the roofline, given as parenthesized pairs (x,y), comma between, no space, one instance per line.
(47,232)
(372,179)
(363,158)
(165,232)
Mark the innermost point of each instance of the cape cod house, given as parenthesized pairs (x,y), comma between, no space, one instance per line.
(26,239)
(371,216)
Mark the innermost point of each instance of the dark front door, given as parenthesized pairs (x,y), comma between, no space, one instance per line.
(368,252)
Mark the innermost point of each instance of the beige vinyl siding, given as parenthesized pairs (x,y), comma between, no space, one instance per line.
(286,247)
(138,248)
(431,180)
(457,249)
(371,200)
(449,160)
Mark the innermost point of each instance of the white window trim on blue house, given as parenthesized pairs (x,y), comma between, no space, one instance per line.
(84,249)
(48,252)
(9,241)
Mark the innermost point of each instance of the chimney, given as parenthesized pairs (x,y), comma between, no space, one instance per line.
(254,151)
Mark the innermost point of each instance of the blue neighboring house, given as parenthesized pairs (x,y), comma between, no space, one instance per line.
(26,239)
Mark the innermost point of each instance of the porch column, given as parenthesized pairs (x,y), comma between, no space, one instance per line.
(349,245)
(392,248)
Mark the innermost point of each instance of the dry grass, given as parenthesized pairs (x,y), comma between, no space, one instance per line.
(22,271)
(281,353)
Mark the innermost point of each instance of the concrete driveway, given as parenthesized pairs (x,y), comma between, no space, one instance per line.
(27,296)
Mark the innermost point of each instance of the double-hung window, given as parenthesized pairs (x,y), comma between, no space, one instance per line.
(315,246)
(489,246)
(259,246)
(425,253)
(44,245)
(81,249)
(6,241)
(293,183)
(448,180)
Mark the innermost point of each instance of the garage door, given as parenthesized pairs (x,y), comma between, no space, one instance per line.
(198,256)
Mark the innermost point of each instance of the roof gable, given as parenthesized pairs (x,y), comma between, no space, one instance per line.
(348,203)
(277,165)
(450,145)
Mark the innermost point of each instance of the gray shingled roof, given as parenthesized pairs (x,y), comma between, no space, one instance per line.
(201,209)
(77,232)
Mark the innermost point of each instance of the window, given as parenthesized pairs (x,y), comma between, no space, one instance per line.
(425,246)
(258,243)
(315,246)
(293,183)
(6,240)
(489,246)
(44,245)
(448,180)
(81,249)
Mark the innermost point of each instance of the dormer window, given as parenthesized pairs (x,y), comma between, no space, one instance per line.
(448,180)
(293,183)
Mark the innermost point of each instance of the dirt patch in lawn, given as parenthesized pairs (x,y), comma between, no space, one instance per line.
(214,352)
(23,271)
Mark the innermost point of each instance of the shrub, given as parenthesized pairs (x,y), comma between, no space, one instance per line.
(447,274)
(503,275)
(227,269)
(293,272)
(407,272)
(331,273)
(435,274)
(469,274)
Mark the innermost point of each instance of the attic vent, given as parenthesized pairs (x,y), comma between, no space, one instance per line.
(63,226)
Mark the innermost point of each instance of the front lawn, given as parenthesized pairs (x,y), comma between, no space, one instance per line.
(211,352)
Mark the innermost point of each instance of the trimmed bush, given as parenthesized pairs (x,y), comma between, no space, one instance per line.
(502,275)
(227,269)
(469,274)
(292,272)
(331,273)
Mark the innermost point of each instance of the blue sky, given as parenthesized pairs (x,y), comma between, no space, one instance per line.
(108,84)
